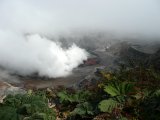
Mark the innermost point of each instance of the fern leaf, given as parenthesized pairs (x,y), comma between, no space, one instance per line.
(110,89)
(108,105)
(115,89)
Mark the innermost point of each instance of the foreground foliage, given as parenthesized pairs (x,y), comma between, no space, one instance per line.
(127,94)
(31,106)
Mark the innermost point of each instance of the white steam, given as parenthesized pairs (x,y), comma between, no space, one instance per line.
(35,54)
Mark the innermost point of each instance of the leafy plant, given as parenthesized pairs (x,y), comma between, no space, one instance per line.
(83,109)
(80,96)
(119,95)
(108,105)
(27,106)
(117,89)
(79,102)
(8,113)
(151,104)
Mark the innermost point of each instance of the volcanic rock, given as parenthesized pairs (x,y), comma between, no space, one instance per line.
(155,60)
(6,89)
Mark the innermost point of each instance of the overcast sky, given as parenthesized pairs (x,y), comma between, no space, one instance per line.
(50,16)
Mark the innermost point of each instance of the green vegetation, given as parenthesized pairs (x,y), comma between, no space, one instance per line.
(126,94)
(30,106)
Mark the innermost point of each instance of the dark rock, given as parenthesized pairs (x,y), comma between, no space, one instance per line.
(154,60)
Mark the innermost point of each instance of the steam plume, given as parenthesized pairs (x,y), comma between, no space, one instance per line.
(33,53)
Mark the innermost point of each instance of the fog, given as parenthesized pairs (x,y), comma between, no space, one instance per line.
(51,16)
(30,30)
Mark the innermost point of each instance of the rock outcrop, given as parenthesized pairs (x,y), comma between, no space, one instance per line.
(6,89)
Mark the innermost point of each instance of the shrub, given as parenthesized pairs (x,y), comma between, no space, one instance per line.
(26,107)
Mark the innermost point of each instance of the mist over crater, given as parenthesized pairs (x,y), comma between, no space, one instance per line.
(51,38)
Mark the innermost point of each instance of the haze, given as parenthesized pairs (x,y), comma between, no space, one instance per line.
(28,30)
